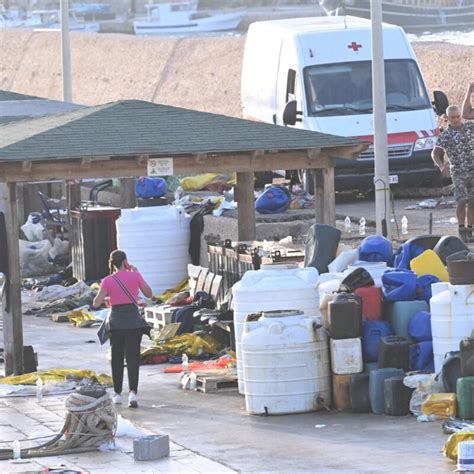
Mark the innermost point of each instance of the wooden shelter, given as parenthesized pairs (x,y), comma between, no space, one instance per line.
(118,139)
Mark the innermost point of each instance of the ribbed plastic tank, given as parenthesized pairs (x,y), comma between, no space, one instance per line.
(272,288)
(156,241)
(285,364)
(452,316)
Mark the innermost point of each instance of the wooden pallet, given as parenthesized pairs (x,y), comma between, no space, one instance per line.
(216,382)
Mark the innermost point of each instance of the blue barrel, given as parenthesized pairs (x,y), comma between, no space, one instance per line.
(376,387)
(400,313)
(372,334)
(419,326)
(421,357)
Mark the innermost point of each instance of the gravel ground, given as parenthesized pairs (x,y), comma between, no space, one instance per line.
(198,73)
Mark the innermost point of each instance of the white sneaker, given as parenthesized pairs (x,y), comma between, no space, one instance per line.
(132,400)
(117,399)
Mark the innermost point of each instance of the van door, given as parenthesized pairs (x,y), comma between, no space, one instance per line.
(289,90)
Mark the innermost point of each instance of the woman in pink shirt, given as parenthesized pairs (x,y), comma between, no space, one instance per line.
(124,321)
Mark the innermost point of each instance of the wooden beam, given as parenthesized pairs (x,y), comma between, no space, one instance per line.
(325,196)
(128,199)
(26,165)
(142,160)
(11,298)
(350,152)
(201,157)
(86,163)
(246,207)
(127,166)
(314,152)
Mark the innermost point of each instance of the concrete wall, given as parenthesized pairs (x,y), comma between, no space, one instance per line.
(198,73)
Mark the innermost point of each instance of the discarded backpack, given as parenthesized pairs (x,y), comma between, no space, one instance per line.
(273,200)
(146,187)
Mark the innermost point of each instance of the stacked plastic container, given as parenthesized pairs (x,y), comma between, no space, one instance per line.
(452,318)
(285,364)
(156,240)
(272,288)
(345,321)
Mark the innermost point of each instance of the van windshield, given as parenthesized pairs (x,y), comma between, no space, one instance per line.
(346,88)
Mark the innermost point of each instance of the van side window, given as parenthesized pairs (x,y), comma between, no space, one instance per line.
(290,85)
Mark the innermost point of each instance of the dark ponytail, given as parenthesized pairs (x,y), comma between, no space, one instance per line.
(116,259)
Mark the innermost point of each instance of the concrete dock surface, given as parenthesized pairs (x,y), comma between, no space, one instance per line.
(213,432)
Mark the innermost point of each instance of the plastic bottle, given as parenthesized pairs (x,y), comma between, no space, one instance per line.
(193,381)
(185,363)
(348,224)
(362,223)
(16,450)
(39,389)
(178,194)
(404,225)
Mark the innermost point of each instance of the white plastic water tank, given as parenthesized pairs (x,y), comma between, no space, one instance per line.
(156,241)
(285,364)
(273,287)
(462,302)
(452,315)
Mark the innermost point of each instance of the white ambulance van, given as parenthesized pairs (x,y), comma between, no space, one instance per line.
(315,74)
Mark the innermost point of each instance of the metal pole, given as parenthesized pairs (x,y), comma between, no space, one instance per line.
(381,180)
(66,51)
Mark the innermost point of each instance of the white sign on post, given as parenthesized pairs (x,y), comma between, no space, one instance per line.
(160,167)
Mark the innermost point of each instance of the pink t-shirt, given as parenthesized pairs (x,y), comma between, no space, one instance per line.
(133,281)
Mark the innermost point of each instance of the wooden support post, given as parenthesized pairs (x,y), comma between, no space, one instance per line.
(127,193)
(11,298)
(73,198)
(246,207)
(325,196)
(73,195)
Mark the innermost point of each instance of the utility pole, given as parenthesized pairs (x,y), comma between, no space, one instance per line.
(66,51)
(381,179)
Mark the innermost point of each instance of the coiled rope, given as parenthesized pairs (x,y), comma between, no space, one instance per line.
(90,422)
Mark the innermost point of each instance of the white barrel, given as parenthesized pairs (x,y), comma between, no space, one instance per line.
(156,241)
(462,303)
(451,320)
(285,364)
(466,456)
(273,287)
(439,287)
(346,356)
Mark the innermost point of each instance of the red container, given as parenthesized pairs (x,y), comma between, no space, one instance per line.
(371,302)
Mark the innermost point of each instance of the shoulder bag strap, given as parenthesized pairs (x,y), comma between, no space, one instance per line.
(125,289)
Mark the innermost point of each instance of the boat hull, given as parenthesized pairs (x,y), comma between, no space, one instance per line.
(224,22)
(416,18)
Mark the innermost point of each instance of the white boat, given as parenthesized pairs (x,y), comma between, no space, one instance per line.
(182,18)
(44,20)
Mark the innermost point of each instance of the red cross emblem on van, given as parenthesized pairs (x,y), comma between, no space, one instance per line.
(354,46)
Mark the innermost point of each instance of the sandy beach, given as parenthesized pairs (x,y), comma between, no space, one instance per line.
(198,73)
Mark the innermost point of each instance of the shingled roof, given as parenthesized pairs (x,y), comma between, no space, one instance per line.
(9,95)
(133,127)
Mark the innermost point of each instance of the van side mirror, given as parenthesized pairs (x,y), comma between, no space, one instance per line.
(291,115)
(441,102)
